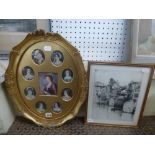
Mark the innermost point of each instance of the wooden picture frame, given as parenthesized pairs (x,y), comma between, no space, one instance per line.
(117,93)
(46,79)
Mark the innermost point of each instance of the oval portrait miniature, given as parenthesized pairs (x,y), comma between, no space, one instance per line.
(56,107)
(30,93)
(38,56)
(57,58)
(28,73)
(40,106)
(67,94)
(67,75)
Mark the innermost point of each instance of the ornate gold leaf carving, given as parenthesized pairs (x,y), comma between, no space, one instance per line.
(19,55)
(76,53)
(15,52)
(10,81)
(39,32)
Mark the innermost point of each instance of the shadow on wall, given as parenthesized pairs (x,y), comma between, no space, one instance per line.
(150,103)
(7,114)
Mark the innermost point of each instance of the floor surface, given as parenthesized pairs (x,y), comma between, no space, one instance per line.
(76,126)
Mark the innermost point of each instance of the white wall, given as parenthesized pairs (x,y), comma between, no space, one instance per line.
(150,104)
(6,112)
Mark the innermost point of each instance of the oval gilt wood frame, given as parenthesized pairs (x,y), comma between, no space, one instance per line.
(45,87)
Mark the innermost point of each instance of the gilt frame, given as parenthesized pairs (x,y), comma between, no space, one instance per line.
(17,83)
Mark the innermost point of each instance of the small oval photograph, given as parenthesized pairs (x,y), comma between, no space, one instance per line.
(67,94)
(57,58)
(38,56)
(30,93)
(56,107)
(28,73)
(67,75)
(41,106)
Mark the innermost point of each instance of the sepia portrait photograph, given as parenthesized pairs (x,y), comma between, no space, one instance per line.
(116,94)
(48,83)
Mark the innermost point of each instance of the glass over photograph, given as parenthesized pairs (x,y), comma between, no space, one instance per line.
(116,94)
(48,83)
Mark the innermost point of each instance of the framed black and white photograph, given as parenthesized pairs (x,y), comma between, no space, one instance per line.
(117,93)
